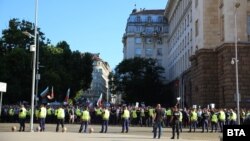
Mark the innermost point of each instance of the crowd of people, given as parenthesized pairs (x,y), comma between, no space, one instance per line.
(205,119)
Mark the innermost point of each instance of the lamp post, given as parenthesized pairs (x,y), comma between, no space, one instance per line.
(34,69)
(235,60)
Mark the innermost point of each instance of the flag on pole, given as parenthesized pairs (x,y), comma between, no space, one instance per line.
(67,96)
(45,92)
(99,101)
(52,94)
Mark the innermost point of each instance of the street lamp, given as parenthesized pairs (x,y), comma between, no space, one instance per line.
(235,61)
(34,69)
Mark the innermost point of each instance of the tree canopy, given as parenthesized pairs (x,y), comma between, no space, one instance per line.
(58,65)
(138,80)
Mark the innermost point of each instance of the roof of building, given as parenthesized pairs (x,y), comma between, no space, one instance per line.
(143,11)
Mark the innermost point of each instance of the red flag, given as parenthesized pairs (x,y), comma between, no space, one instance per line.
(67,96)
(99,101)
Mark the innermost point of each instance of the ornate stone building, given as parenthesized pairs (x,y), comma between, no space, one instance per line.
(201,47)
(146,35)
(99,84)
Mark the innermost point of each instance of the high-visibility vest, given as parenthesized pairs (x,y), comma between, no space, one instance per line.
(85,115)
(222,116)
(151,112)
(78,112)
(214,118)
(233,116)
(181,116)
(49,111)
(134,114)
(125,114)
(56,112)
(98,112)
(168,112)
(11,112)
(23,113)
(106,115)
(60,113)
(194,116)
(43,112)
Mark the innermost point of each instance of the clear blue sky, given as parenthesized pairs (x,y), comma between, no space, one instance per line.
(94,26)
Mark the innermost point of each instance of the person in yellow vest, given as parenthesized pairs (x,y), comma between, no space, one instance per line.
(133,116)
(125,117)
(151,115)
(11,114)
(180,119)
(232,117)
(168,115)
(60,117)
(221,119)
(85,118)
(98,115)
(42,115)
(105,120)
(22,117)
(214,121)
(78,114)
(193,119)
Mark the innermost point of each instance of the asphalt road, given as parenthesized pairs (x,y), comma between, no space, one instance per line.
(114,134)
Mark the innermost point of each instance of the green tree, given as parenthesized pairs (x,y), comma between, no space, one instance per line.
(59,66)
(13,37)
(139,80)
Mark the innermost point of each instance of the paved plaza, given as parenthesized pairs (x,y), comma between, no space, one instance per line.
(114,134)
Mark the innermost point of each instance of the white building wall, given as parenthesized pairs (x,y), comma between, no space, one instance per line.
(180,47)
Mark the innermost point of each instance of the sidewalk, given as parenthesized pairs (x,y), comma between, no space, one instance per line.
(135,134)
(47,136)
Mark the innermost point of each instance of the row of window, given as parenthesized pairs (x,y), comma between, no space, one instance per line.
(179,66)
(146,29)
(148,40)
(149,52)
(144,18)
(177,17)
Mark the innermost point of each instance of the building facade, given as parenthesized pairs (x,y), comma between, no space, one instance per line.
(201,47)
(146,35)
(99,84)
